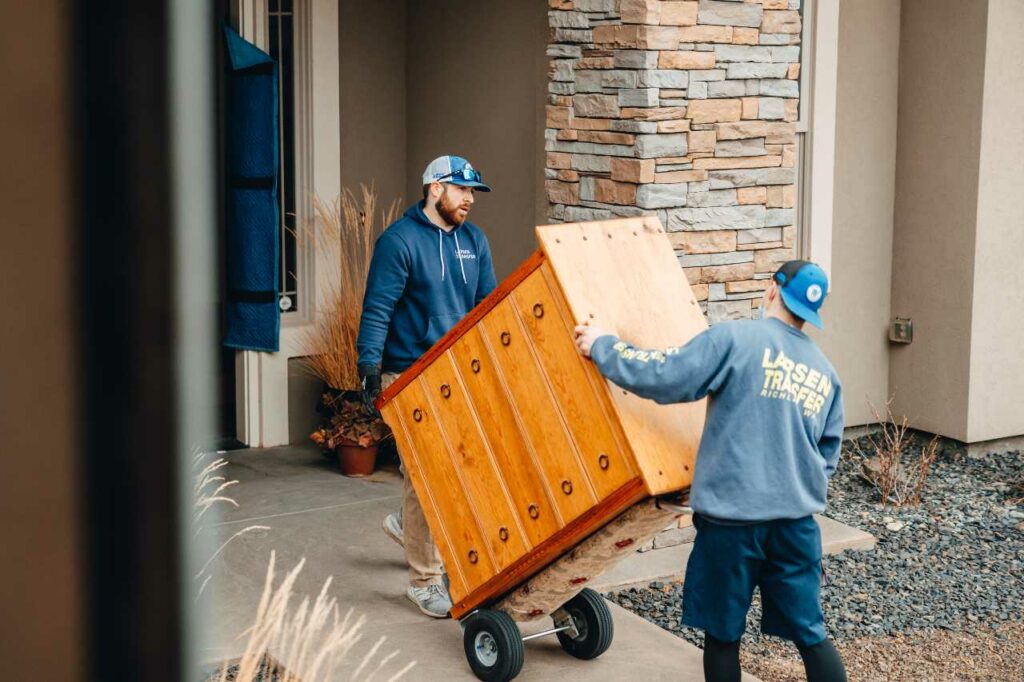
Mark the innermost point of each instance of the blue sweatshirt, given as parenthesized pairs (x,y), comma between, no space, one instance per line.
(774,422)
(422,281)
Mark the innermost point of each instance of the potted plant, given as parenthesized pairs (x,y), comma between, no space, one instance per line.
(353,431)
(342,238)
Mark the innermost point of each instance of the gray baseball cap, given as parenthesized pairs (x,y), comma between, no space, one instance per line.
(456,170)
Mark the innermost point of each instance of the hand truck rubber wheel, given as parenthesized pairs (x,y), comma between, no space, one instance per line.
(594,627)
(493,645)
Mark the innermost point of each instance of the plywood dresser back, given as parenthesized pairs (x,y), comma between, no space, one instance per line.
(622,275)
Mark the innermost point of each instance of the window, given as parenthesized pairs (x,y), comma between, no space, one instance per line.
(281,46)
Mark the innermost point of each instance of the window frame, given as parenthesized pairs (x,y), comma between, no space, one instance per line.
(252,18)
(816,130)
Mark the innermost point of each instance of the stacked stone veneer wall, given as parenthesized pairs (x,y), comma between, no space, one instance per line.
(685,110)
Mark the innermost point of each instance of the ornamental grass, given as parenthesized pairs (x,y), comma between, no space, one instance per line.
(342,237)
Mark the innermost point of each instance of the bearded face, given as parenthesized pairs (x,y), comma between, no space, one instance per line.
(454,204)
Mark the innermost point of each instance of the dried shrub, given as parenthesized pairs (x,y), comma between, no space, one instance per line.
(898,475)
(342,236)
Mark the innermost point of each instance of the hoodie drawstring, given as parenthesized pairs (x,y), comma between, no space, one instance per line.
(440,250)
(458,251)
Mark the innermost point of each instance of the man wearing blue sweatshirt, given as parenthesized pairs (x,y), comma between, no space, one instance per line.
(428,270)
(771,441)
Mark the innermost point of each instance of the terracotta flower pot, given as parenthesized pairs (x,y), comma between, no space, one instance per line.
(356,460)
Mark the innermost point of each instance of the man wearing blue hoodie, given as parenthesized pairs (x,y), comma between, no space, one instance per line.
(771,440)
(428,270)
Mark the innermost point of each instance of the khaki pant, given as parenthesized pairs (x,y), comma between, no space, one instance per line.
(425,566)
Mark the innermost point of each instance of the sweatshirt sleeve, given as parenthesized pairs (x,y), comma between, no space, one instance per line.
(486,281)
(675,375)
(831,441)
(385,282)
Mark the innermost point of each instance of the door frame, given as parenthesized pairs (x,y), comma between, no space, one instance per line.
(261,379)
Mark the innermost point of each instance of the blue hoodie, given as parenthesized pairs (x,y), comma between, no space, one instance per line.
(422,281)
(774,419)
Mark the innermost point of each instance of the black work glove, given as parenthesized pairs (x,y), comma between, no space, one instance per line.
(370,375)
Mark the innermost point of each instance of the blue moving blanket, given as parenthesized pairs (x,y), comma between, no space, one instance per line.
(251,206)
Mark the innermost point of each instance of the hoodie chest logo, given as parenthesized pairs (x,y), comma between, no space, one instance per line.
(466,254)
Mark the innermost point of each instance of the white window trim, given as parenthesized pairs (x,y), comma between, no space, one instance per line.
(261,379)
(817,123)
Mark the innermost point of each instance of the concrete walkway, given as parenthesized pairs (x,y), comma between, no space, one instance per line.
(670,563)
(334,522)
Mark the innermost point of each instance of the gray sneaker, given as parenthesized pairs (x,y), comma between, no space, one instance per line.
(393,528)
(432,600)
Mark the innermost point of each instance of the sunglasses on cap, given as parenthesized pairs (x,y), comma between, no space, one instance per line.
(465,173)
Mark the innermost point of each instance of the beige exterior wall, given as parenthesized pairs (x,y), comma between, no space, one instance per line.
(942,68)
(476,74)
(857,312)
(997,325)
(373,96)
(420,79)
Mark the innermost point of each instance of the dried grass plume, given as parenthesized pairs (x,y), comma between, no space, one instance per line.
(343,237)
(312,637)
(208,493)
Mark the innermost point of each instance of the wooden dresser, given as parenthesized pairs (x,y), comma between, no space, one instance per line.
(517,448)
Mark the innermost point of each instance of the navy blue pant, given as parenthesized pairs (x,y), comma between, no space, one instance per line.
(782,557)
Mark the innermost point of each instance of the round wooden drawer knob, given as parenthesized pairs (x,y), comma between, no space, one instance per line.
(417,414)
(446,391)
(534,512)
(473,557)
(538,310)
(506,338)
(602,461)
(567,487)
(475,365)
(503,534)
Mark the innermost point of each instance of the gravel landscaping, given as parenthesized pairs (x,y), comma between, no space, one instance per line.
(926,655)
(945,582)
